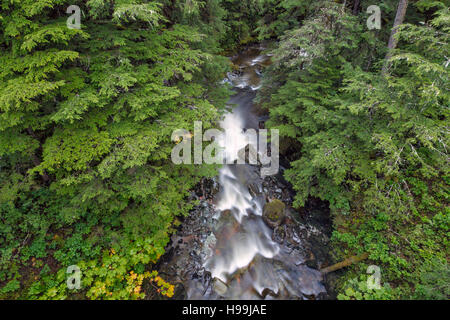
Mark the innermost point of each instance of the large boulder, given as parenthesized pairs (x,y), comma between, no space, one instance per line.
(220,287)
(274,213)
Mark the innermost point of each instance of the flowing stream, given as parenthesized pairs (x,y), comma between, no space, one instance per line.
(239,258)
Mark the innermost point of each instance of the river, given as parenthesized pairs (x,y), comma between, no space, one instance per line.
(225,249)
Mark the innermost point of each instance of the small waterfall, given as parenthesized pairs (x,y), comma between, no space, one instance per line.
(246,237)
(238,257)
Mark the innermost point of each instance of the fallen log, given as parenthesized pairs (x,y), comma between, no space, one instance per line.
(345,263)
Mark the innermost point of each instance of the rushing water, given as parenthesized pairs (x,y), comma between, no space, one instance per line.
(242,259)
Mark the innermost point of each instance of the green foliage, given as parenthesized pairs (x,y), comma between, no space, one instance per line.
(357,289)
(373,146)
(86,118)
(278,16)
(435,281)
(241,19)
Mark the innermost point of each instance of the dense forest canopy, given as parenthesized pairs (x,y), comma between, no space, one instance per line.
(86,117)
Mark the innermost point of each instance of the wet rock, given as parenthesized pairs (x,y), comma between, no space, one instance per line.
(220,287)
(293,216)
(260,200)
(278,234)
(274,213)
(268,292)
(295,237)
(215,186)
(200,272)
(248,153)
(226,219)
(311,261)
(209,244)
(297,257)
(253,189)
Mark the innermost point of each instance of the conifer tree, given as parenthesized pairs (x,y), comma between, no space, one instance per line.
(86,117)
(373,146)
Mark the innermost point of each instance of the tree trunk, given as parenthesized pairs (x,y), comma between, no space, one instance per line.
(356,7)
(399,18)
(345,263)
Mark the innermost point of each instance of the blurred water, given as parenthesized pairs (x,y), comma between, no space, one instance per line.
(244,258)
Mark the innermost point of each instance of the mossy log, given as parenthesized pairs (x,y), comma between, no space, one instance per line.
(345,263)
